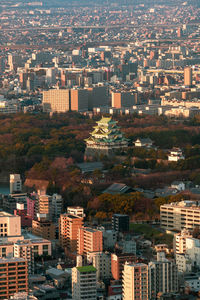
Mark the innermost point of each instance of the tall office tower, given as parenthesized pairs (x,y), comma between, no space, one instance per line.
(14,276)
(135,282)
(84,283)
(188,76)
(89,240)
(57,205)
(15,183)
(10,226)
(56,100)
(163,276)
(123,99)
(79,100)
(97,96)
(117,263)
(102,262)
(68,231)
(45,206)
(120,223)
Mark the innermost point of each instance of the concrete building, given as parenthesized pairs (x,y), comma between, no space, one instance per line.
(10,225)
(79,100)
(120,223)
(44,228)
(15,183)
(180,215)
(97,96)
(89,240)
(29,249)
(57,100)
(180,241)
(123,99)
(102,262)
(188,76)
(14,276)
(68,231)
(84,283)
(57,206)
(45,206)
(31,207)
(184,263)
(163,276)
(117,264)
(135,282)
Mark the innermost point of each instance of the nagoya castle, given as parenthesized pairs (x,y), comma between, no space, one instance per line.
(106,138)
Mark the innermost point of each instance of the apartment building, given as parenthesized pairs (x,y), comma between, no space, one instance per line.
(135,282)
(29,249)
(89,240)
(84,283)
(45,206)
(102,262)
(117,263)
(68,231)
(14,276)
(163,276)
(180,215)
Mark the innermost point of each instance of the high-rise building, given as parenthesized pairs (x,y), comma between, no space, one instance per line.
(117,263)
(14,276)
(135,282)
(79,99)
(68,231)
(31,207)
(89,240)
(15,183)
(56,100)
(163,276)
(188,76)
(45,206)
(102,262)
(120,223)
(84,283)
(57,205)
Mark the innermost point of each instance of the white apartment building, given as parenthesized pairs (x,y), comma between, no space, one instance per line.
(163,276)
(15,183)
(184,263)
(180,241)
(84,283)
(135,282)
(180,215)
(102,262)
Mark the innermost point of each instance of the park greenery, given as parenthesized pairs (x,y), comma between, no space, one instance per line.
(43,147)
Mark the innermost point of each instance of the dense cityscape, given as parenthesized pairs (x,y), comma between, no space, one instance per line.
(100,149)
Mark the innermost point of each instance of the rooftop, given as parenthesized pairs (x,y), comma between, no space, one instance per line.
(86,269)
